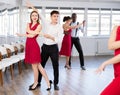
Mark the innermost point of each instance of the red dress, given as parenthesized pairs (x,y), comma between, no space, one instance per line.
(32,50)
(114,87)
(66,44)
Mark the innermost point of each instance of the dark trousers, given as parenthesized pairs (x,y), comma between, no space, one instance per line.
(52,52)
(76,42)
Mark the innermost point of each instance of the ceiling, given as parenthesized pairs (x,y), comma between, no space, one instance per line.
(111,1)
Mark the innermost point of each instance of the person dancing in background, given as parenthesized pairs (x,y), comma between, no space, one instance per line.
(76,41)
(32,50)
(114,44)
(66,43)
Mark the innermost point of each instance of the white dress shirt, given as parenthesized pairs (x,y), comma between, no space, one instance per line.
(80,29)
(53,30)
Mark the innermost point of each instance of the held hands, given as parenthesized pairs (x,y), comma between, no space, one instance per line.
(28,4)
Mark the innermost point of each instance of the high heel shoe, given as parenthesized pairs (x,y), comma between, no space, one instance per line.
(48,89)
(30,88)
(67,66)
(38,85)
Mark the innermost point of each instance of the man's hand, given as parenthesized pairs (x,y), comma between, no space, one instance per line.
(49,37)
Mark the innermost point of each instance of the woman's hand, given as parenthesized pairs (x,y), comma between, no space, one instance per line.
(101,68)
(20,35)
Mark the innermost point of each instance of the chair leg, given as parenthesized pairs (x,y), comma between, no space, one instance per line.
(19,67)
(1,78)
(11,71)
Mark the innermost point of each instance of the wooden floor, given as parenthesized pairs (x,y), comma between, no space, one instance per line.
(72,82)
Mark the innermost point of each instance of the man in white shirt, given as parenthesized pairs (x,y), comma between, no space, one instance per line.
(52,34)
(76,41)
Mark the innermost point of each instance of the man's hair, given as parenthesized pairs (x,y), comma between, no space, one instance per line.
(74,14)
(54,12)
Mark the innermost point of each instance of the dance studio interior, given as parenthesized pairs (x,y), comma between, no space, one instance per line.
(88,35)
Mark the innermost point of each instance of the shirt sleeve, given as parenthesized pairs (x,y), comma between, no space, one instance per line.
(59,37)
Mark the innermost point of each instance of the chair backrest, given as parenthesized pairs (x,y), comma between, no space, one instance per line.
(11,47)
(3,50)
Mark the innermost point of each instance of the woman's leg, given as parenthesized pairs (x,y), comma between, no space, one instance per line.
(67,62)
(44,74)
(35,71)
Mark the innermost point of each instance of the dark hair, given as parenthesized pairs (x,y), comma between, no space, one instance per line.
(54,12)
(74,14)
(66,18)
(31,15)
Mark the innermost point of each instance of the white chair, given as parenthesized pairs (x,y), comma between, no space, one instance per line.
(17,58)
(5,62)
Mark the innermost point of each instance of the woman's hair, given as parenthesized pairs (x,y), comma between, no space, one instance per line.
(31,17)
(66,18)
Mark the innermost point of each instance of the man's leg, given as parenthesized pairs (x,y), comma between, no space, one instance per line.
(80,51)
(44,57)
(54,55)
(71,51)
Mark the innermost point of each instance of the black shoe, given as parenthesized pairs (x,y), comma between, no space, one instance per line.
(83,68)
(56,87)
(38,85)
(48,89)
(30,88)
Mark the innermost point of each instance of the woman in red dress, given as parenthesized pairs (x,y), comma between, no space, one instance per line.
(32,50)
(66,43)
(114,44)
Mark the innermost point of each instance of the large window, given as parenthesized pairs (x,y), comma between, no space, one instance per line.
(13,15)
(93,22)
(64,12)
(115,17)
(93,25)
(11,24)
(99,21)
(1,23)
(4,22)
(105,22)
(105,25)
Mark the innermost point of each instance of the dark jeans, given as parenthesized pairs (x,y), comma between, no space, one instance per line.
(76,42)
(52,52)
